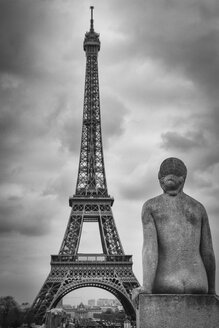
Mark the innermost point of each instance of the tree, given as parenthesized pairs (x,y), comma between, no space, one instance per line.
(109,311)
(9,312)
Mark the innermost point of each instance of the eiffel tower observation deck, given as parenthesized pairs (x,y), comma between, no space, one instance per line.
(110,270)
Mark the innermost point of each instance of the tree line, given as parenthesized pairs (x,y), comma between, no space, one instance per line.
(11,315)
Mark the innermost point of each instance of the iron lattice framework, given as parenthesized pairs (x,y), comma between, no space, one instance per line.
(91,173)
(70,270)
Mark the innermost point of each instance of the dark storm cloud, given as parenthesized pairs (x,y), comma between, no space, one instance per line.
(113,118)
(26,29)
(16,217)
(174,140)
(67,122)
(11,137)
(132,191)
(23,128)
(211,158)
(21,131)
(182,35)
(23,25)
(211,122)
(18,23)
(201,60)
(176,31)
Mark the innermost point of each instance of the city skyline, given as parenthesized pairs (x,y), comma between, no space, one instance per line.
(159,76)
(83,295)
(72,299)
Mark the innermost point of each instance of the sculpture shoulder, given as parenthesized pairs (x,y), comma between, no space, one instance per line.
(193,203)
(151,204)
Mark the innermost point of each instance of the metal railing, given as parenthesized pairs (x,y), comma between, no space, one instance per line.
(90,258)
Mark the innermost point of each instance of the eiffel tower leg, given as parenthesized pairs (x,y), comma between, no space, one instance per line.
(108,232)
(44,300)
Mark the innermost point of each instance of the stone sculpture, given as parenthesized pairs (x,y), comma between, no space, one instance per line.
(177,255)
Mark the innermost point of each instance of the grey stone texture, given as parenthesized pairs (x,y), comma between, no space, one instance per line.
(178,259)
(177,255)
(177,311)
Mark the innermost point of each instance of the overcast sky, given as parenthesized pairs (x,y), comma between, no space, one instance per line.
(159,82)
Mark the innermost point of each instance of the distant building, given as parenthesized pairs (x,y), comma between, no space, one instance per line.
(81,311)
(25,306)
(127,324)
(91,303)
(67,307)
(94,310)
(104,302)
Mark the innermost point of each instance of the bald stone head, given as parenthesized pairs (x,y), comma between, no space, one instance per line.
(172,175)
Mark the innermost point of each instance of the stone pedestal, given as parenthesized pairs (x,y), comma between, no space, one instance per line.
(178,311)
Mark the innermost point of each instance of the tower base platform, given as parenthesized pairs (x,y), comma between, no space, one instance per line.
(177,310)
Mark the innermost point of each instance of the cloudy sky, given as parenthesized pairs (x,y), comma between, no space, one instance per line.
(159,82)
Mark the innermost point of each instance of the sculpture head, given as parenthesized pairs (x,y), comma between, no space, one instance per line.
(172,175)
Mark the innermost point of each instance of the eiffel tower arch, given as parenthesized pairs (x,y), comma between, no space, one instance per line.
(112,269)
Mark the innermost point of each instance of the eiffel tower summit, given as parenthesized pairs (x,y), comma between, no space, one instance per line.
(110,270)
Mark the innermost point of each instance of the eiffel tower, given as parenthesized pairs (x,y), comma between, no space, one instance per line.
(70,270)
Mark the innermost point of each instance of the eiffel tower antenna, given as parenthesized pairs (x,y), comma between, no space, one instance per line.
(112,269)
(92,19)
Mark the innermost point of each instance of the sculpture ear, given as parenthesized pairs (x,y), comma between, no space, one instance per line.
(161,179)
(182,180)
